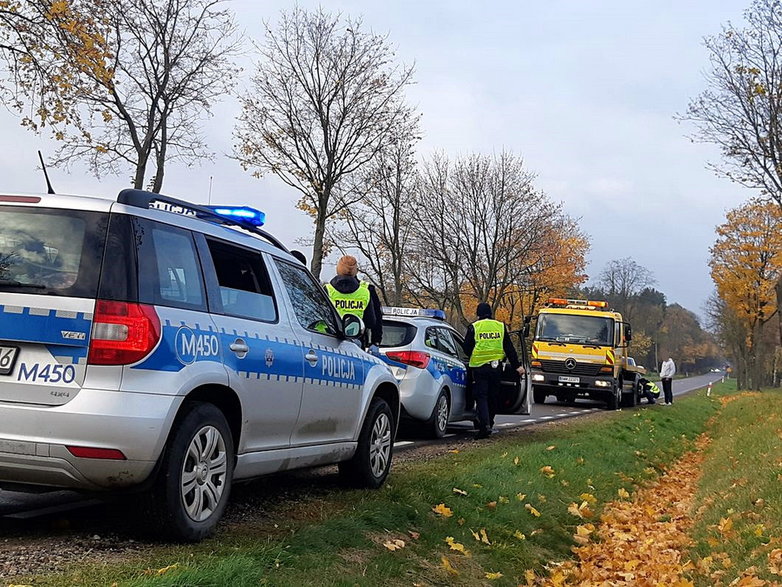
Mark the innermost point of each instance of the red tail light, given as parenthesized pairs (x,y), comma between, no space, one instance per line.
(412,358)
(122,333)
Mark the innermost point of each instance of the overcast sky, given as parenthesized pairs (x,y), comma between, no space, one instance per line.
(584,91)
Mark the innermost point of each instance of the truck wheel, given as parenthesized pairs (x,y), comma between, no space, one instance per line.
(192,488)
(629,400)
(371,463)
(538,395)
(615,399)
(437,423)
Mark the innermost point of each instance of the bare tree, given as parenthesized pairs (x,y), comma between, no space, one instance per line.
(479,230)
(323,103)
(167,62)
(741,109)
(379,225)
(622,280)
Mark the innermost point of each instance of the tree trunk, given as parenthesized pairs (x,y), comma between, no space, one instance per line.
(778,289)
(317,246)
(141,171)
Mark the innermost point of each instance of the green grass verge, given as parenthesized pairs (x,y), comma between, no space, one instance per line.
(338,539)
(740,492)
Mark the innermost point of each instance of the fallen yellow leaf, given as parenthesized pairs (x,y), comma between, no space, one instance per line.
(516,461)
(493,576)
(552,447)
(520,535)
(164,570)
(448,567)
(458,491)
(623,493)
(532,510)
(588,497)
(491,505)
(484,536)
(457,546)
(443,510)
(504,499)
(395,544)
(548,471)
(521,496)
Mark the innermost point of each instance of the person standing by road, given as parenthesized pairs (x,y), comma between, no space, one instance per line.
(667,371)
(353,296)
(488,344)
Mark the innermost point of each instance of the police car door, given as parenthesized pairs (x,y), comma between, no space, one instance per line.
(456,369)
(333,367)
(259,349)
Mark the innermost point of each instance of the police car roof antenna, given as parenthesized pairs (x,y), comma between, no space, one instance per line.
(50,189)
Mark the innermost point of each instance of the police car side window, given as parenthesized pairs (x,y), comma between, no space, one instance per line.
(169,271)
(245,288)
(444,342)
(459,342)
(430,338)
(312,308)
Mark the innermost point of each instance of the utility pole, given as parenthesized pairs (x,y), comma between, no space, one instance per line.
(656,363)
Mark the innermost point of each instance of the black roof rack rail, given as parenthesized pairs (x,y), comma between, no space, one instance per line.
(143,199)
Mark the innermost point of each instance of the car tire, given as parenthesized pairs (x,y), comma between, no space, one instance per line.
(538,395)
(371,463)
(194,481)
(437,423)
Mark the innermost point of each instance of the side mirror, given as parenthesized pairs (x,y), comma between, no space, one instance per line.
(352,326)
(628,332)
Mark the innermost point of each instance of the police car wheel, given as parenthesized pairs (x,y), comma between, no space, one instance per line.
(195,477)
(438,422)
(371,463)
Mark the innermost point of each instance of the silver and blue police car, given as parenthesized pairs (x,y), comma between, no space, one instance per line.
(425,355)
(149,344)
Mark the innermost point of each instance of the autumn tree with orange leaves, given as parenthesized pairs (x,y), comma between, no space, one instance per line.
(746,264)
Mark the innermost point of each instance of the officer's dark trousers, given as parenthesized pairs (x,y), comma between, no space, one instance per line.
(667,390)
(486,382)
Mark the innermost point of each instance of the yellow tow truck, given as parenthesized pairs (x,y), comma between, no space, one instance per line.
(580,349)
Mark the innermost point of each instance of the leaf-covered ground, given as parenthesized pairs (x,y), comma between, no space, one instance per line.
(649,539)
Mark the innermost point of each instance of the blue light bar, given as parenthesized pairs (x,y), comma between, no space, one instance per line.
(413,312)
(250,215)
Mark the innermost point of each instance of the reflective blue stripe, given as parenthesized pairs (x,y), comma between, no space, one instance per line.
(45,328)
(272,357)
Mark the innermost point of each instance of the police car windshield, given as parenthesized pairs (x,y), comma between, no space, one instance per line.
(575,329)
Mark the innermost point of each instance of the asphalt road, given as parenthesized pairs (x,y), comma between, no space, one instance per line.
(20,506)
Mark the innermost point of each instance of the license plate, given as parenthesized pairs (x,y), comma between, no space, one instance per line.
(566,379)
(7,359)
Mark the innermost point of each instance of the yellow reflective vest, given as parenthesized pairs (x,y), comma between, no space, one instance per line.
(350,303)
(489,336)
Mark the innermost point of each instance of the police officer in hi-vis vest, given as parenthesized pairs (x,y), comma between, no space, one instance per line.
(352,296)
(488,344)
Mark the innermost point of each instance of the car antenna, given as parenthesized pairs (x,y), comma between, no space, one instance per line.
(50,189)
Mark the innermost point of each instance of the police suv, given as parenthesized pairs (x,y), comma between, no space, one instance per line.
(425,354)
(151,344)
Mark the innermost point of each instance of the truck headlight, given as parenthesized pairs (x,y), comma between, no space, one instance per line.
(538,377)
(602,384)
